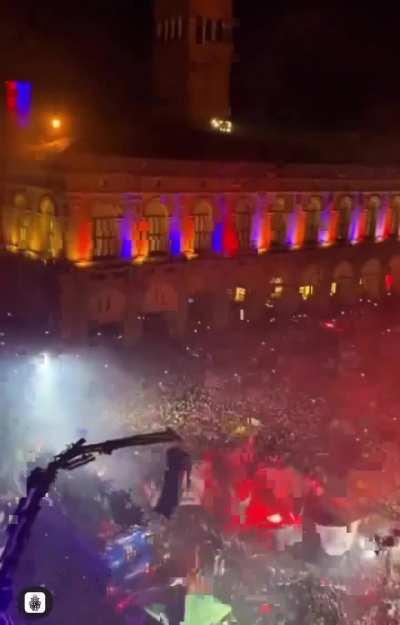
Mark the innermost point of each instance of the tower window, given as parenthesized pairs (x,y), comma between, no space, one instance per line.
(333,290)
(220,30)
(173,29)
(180,27)
(159,31)
(166,30)
(199,30)
(214,30)
(209,29)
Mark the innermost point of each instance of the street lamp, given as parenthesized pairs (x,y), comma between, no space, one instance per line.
(55,123)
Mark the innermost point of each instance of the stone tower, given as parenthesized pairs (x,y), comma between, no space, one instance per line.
(193,54)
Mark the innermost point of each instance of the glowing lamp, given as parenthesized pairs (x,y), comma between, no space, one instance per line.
(56,123)
(275,518)
(221,125)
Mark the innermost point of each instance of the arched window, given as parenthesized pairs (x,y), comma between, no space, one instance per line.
(243,216)
(20,201)
(199,30)
(276,291)
(157,217)
(172,29)
(279,221)
(344,208)
(220,31)
(209,30)
(203,226)
(372,208)
(180,28)
(310,282)
(24,221)
(344,283)
(395,216)
(47,208)
(313,210)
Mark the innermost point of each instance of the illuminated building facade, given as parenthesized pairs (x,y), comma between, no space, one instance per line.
(135,241)
(131,243)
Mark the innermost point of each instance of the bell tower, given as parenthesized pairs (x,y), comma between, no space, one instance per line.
(193,54)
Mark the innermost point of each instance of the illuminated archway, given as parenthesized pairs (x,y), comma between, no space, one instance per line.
(371,216)
(312,218)
(107,306)
(279,212)
(394,271)
(372,278)
(243,217)
(310,282)
(156,215)
(23,217)
(395,217)
(202,213)
(344,207)
(47,205)
(343,285)
(44,232)
(20,201)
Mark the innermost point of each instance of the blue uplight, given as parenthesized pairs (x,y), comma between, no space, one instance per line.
(24,102)
(218,238)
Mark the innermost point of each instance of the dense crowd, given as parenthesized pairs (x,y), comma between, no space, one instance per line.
(306,392)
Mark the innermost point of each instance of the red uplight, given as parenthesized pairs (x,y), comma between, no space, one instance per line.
(265,608)
(389,281)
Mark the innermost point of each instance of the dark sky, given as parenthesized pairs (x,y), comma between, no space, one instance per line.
(301,64)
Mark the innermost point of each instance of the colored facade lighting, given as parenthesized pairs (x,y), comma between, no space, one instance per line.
(261,231)
(389,282)
(19,101)
(296,228)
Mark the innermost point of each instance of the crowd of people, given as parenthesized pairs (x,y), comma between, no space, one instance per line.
(319,395)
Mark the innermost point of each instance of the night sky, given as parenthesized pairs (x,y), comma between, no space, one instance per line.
(301,65)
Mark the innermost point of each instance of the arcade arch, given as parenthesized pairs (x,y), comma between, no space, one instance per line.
(202,213)
(156,215)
